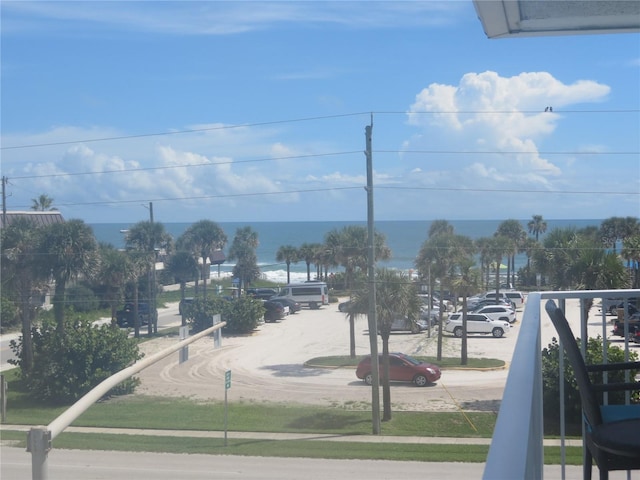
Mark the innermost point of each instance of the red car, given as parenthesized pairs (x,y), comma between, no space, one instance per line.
(402,368)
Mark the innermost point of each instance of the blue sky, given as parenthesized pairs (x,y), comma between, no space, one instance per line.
(256,111)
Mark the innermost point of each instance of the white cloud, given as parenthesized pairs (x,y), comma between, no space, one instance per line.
(503,117)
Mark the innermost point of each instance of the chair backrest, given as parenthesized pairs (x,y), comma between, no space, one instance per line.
(590,405)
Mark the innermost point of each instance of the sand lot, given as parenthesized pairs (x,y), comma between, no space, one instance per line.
(268,365)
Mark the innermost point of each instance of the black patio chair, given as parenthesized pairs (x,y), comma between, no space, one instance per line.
(612,433)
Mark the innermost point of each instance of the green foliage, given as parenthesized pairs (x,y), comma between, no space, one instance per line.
(551,379)
(242,315)
(9,314)
(81,298)
(68,365)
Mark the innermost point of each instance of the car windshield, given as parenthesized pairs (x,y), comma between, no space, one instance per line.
(411,360)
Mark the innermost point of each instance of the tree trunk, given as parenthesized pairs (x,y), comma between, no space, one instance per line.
(386,388)
(27,343)
(352,335)
(58,305)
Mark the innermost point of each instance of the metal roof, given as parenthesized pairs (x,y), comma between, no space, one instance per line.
(37,217)
(530,18)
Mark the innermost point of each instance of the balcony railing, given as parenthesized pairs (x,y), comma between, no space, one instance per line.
(516,450)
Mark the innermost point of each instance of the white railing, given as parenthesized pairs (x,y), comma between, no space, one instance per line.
(516,450)
(39,438)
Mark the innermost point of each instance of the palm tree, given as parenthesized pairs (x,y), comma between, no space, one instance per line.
(147,238)
(498,247)
(438,227)
(396,296)
(113,275)
(631,253)
(184,268)
(466,282)
(202,238)
(307,253)
(243,250)
(349,247)
(42,203)
(536,226)
(289,255)
(20,277)
(69,249)
(512,229)
(435,260)
(482,246)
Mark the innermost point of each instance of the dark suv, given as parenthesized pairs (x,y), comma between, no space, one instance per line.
(125,317)
(262,293)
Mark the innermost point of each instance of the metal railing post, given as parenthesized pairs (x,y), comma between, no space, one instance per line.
(39,444)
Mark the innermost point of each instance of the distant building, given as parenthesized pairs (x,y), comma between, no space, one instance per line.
(39,218)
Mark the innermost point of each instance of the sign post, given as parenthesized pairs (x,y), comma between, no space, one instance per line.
(227,386)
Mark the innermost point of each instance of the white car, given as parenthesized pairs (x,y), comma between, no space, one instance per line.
(498,312)
(477,323)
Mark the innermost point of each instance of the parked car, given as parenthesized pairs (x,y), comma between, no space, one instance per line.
(636,335)
(483,303)
(634,323)
(344,306)
(498,312)
(612,305)
(274,311)
(476,323)
(125,317)
(402,368)
(292,305)
(262,293)
(495,297)
(404,325)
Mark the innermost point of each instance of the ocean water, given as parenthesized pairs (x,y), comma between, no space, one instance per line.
(404,238)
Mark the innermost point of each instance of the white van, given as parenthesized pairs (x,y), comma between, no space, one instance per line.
(312,294)
(516,297)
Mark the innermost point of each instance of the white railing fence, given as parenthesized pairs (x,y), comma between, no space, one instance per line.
(516,450)
(39,438)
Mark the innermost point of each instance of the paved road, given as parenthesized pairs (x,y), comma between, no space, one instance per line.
(93,465)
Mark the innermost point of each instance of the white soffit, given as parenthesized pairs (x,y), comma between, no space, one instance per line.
(531,18)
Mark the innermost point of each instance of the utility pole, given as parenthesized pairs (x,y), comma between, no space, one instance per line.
(4,202)
(371,273)
(153,311)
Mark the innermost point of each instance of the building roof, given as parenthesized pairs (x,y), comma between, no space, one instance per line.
(530,18)
(37,217)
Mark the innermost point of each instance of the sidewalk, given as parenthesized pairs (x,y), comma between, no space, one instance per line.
(288,436)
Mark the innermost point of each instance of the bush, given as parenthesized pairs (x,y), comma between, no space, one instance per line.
(67,366)
(8,314)
(551,380)
(242,315)
(82,299)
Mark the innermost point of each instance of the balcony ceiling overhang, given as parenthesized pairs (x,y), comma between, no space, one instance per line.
(535,18)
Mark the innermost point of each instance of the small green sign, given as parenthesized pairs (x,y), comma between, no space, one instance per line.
(227,379)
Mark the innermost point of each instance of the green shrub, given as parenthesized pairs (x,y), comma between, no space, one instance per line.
(242,315)
(8,314)
(82,298)
(551,380)
(67,366)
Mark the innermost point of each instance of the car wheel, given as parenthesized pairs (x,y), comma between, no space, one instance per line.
(368,379)
(497,332)
(458,332)
(504,319)
(420,381)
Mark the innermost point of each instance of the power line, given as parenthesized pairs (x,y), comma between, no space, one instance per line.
(186,165)
(308,119)
(179,132)
(318,155)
